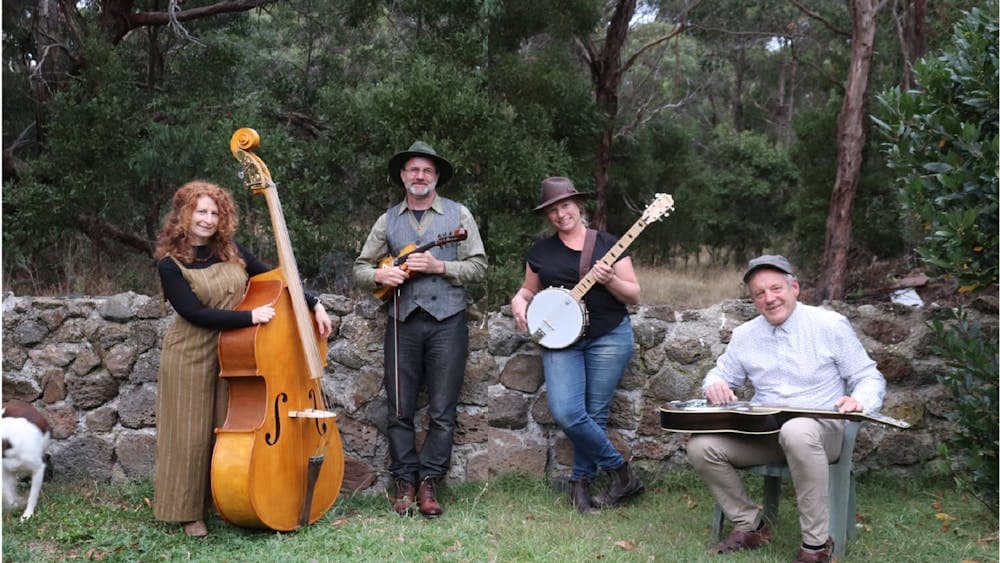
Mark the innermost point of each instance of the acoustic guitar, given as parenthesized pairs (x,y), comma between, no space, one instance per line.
(557,317)
(741,417)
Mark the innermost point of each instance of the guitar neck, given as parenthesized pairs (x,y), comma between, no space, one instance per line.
(422,248)
(609,259)
(862,416)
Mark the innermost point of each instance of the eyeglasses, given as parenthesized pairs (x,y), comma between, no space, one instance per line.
(414,171)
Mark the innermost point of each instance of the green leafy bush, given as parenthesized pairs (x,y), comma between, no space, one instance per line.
(943,141)
(971,375)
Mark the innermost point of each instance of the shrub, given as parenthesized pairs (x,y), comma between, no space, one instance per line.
(972,376)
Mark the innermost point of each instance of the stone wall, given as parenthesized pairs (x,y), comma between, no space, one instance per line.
(90,365)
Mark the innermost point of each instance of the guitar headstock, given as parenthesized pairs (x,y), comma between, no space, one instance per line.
(661,206)
(457,236)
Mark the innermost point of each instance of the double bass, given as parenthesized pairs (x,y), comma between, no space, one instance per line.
(278,462)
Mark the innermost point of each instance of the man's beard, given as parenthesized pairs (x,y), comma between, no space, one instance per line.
(420,191)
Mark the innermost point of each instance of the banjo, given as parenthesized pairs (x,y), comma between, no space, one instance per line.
(557,316)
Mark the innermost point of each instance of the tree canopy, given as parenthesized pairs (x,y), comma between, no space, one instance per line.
(732,108)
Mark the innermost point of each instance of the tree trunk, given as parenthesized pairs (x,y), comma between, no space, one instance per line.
(606,73)
(850,143)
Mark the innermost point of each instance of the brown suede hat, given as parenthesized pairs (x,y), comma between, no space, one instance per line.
(421,149)
(557,188)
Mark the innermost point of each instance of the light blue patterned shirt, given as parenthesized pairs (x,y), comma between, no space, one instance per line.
(808,362)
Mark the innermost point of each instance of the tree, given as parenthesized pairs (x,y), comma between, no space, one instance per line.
(850,143)
(606,72)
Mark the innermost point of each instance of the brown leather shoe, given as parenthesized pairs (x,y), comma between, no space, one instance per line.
(427,498)
(406,494)
(739,540)
(816,556)
(196,529)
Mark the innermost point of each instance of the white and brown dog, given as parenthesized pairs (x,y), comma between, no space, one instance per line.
(26,435)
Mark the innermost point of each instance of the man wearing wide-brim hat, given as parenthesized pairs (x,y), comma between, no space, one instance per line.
(426,338)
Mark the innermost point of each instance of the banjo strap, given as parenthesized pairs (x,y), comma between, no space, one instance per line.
(588,252)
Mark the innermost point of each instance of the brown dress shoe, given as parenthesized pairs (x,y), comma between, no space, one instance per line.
(739,540)
(196,529)
(406,494)
(816,555)
(427,498)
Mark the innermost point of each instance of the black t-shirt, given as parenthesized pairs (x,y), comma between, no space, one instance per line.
(183,299)
(559,266)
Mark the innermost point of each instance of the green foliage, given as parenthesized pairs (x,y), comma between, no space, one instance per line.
(658,159)
(876,223)
(943,142)
(742,193)
(972,374)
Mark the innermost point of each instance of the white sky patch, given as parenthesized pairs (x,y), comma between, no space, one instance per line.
(644,13)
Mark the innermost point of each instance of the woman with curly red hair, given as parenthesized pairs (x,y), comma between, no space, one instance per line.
(204,274)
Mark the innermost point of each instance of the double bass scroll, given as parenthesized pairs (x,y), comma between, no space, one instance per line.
(278,461)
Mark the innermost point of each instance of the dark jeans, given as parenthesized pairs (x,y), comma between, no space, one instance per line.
(432,354)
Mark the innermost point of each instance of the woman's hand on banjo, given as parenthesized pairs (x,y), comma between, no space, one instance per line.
(603,273)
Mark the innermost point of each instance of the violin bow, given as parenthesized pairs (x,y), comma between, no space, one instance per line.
(395,344)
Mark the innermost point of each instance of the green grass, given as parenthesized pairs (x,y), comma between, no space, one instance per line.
(512,519)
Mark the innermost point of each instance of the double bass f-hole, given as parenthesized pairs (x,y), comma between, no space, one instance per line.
(320,426)
(280,398)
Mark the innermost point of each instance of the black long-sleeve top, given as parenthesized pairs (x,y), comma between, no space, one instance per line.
(183,299)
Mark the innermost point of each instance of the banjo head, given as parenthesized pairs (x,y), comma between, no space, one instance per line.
(555,319)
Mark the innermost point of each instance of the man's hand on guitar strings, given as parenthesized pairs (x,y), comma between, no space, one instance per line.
(719,393)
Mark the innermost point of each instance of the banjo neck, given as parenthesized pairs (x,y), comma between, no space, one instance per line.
(609,258)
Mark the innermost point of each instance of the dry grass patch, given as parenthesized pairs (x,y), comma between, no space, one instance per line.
(695,287)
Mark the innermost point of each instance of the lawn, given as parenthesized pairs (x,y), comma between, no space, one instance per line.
(511,519)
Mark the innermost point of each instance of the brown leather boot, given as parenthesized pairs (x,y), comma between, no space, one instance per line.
(579,496)
(624,485)
(406,494)
(427,498)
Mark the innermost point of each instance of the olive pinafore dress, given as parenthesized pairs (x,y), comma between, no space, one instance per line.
(190,399)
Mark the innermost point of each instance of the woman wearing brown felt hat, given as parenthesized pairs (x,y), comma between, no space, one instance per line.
(581,378)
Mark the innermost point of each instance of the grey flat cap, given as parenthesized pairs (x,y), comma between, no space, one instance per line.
(772,261)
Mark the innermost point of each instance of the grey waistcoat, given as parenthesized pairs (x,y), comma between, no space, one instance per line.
(432,293)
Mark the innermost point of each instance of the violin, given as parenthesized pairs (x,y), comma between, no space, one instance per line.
(385,292)
(278,462)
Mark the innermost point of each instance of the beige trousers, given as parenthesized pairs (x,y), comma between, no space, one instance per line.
(807,445)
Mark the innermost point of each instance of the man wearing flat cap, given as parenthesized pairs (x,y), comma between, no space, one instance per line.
(426,338)
(796,356)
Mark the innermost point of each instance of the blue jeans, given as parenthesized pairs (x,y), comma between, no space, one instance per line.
(581,382)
